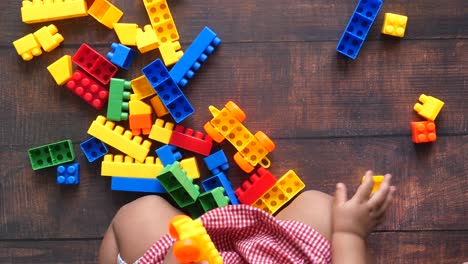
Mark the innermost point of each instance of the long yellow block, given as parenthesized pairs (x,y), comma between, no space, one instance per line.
(120,166)
(61,69)
(161,132)
(119,138)
(37,11)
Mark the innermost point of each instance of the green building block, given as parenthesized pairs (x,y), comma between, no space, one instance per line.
(51,155)
(180,187)
(119,95)
(213,199)
(195,210)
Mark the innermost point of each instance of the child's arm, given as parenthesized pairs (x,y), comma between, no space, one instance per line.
(354,219)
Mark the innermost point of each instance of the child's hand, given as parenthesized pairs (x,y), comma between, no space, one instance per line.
(361,214)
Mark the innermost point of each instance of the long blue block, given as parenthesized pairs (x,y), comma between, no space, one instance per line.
(220,180)
(136,185)
(217,162)
(358,27)
(121,55)
(203,45)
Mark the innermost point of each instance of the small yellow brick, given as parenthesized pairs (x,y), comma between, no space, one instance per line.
(394,25)
(48,37)
(27,47)
(105,12)
(61,70)
(146,39)
(171,53)
(161,132)
(429,108)
(126,33)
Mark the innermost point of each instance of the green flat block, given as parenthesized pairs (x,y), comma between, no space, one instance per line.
(51,155)
(181,188)
(213,199)
(119,95)
(195,210)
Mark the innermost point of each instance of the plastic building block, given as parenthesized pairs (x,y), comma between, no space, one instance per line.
(68,174)
(198,143)
(48,37)
(217,162)
(94,63)
(195,210)
(155,73)
(168,154)
(88,89)
(178,185)
(106,13)
(136,185)
(220,180)
(191,167)
(260,182)
(203,45)
(167,32)
(161,132)
(120,166)
(61,70)
(429,108)
(394,25)
(93,149)
(27,47)
(377,181)
(121,55)
(140,118)
(171,53)
(287,187)
(161,20)
(51,155)
(117,137)
(358,26)
(141,88)
(424,131)
(146,39)
(158,106)
(37,11)
(126,33)
(119,97)
(213,199)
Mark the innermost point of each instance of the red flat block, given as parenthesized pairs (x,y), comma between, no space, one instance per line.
(184,138)
(259,184)
(95,64)
(87,88)
(140,124)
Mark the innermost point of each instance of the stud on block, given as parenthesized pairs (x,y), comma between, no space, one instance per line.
(429,108)
(168,154)
(259,183)
(166,32)
(119,97)
(61,70)
(394,25)
(136,185)
(158,11)
(121,55)
(423,132)
(126,33)
(161,132)
(217,162)
(142,88)
(83,85)
(120,166)
(93,149)
(37,11)
(27,47)
(105,13)
(186,139)
(68,174)
(94,63)
(191,167)
(48,37)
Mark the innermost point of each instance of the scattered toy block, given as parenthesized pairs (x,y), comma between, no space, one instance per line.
(260,182)
(213,199)
(83,85)
(217,162)
(136,185)
(161,132)
(117,137)
(378,179)
(423,132)
(126,33)
(93,149)
(140,118)
(120,166)
(119,97)
(94,64)
(220,180)
(203,46)
(429,108)
(166,32)
(195,210)
(105,13)
(51,155)
(255,153)
(48,37)
(178,185)
(191,167)
(158,106)
(146,39)
(37,11)
(141,88)
(394,25)
(121,55)
(156,73)
(358,26)
(27,47)
(61,70)
(171,53)
(184,138)
(159,13)
(168,154)
(68,174)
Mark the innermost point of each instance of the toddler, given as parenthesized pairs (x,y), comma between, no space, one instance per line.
(314,228)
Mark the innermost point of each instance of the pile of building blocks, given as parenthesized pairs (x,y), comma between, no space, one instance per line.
(429,107)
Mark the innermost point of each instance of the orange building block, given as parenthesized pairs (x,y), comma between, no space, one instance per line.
(140,124)
(424,131)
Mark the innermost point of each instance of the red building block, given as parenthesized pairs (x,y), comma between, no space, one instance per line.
(260,182)
(95,64)
(87,88)
(424,131)
(188,141)
(140,124)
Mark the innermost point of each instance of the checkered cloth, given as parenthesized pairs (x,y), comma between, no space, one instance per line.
(244,234)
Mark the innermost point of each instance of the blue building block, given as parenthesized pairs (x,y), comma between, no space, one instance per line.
(358,26)
(180,109)
(168,154)
(156,72)
(68,174)
(136,185)
(93,149)
(217,162)
(121,55)
(203,45)
(220,180)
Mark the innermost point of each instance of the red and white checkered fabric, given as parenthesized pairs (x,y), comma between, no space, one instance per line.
(244,234)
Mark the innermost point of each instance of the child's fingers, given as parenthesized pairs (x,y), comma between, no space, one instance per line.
(340,194)
(364,191)
(387,202)
(381,194)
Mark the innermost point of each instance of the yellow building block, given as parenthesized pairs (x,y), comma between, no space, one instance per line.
(166,32)
(191,167)
(161,132)
(158,11)
(42,11)
(105,12)
(139,108)
(146,39)
(126,33)
(61,69)
(429,108)
(394,25)
(48,37)
(171,53)
(27,47)
(142,88)
(120,166)
(158,106)
(377,181)
(119,138)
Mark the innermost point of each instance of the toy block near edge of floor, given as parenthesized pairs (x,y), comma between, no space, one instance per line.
(128,167)
(394,25)
(42,11)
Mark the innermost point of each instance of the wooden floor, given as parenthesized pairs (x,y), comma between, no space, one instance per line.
(331,118)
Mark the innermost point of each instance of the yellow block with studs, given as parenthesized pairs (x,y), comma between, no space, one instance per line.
(161,132)
(394,25)
(61,69)
(48,37)
(146,39)
(128,167)
(191,167)
(126,32)
(37,11)
(429,108)
(27,47)
(171,53)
